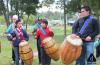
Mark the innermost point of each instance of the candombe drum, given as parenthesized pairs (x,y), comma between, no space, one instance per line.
(51,48)
(70,49)
(26,53)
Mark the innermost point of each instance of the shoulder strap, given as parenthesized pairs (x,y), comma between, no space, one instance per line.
(85,24)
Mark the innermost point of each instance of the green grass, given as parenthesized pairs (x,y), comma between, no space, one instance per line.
(5,55)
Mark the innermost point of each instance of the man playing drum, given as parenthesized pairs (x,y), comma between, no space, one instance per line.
(86,28)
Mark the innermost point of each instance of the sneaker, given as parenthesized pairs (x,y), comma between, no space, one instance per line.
(12,62)
(20,61)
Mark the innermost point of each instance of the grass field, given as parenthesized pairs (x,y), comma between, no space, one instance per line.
(5,55)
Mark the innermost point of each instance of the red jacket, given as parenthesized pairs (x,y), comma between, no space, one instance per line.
(42,36)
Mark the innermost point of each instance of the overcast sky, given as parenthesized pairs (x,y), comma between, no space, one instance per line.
(51,8)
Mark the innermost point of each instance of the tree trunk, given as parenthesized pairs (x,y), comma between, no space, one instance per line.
(6,18)
(64,19)
(27,21)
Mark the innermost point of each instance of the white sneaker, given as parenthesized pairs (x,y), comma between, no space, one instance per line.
(20,61)
(12,62)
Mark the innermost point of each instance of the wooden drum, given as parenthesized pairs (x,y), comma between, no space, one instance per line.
(70,50)
(51,48)
(26,53)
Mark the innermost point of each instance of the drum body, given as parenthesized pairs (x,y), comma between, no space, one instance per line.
(70,50)
(51,48)
(26,53)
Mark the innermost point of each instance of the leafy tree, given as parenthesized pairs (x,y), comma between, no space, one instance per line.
(18,7)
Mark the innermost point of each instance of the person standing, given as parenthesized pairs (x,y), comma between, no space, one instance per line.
(9,30)
(37,27)
(86,28)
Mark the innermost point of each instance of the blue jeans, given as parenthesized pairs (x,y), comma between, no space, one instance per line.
(16,53)
(87,49)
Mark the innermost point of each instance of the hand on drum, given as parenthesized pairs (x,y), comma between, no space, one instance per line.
(22,40)
(88,38)
(74,36)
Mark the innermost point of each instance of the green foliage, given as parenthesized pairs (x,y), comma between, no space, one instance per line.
(31,19)
(2,19)
(47,2)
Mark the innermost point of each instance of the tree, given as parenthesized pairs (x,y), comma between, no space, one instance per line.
(5,10)
(17,7)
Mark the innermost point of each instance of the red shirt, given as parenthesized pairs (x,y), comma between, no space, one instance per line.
(43,36)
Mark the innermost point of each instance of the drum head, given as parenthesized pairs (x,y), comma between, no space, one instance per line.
(75,41)
(23,43)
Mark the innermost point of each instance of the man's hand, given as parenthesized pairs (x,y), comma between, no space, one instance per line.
(74,36)
(88,38)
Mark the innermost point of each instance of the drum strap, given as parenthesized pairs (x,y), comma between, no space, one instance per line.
(39,27)
(85,24)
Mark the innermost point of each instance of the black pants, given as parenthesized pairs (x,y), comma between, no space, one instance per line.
(98,51)
(13,55)
(39,49)
(45,59)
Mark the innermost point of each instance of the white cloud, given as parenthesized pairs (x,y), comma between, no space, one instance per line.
(52,8)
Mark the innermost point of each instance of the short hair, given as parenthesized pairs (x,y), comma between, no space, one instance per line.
(87,8)
(44,21)
(19,20)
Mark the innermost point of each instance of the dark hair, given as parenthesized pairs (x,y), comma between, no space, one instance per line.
(87,8)
(19,20)
(44,21)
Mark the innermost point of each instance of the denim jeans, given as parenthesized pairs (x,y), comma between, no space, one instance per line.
(13,55)
(87,49)
(16,53)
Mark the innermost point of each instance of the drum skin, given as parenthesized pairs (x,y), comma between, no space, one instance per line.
(26,53)
(51,48)
(69,52)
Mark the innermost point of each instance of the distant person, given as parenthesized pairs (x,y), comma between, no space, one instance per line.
(36,28)
(86,27)
(9,30)
(43,33)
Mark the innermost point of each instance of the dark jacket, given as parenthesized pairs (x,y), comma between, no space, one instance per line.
(91,30)
(17,41)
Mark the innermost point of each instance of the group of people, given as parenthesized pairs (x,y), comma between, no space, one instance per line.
(86,27)
(16,34)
